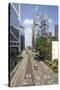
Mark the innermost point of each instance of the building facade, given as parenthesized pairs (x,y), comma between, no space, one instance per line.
(16,33)
(55,50)
(55,45)
(40,26)
(22,37)
(36,27)
(56,32)
(44,24)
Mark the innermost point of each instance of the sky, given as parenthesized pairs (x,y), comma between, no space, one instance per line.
(28,11)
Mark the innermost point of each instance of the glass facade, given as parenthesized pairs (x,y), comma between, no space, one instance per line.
(14,22)
(37,26)
(15,31)
(14,18)
(44,25)
(41,25)
(16,35)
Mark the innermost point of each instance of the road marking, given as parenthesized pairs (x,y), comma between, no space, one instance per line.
(38,77)
(29,75)
(16,78)
(17,74)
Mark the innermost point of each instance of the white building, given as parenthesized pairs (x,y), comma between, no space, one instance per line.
(55,50)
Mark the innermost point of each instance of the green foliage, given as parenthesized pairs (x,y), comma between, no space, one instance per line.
(55,61)
(52,64)
(43,45)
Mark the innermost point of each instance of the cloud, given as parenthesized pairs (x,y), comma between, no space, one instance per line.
(28,22)
(28,37)
(50,20)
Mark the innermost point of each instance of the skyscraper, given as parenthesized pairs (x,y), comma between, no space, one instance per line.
(16,34)
(40,26)
(37,27)
(56,32)
(44,25)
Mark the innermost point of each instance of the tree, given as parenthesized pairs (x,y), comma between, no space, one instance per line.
(42,45)
(49,50)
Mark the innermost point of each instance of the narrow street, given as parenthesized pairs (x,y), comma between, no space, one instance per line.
(27,75)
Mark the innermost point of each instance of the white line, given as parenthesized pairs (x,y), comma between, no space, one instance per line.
(14,46)
(16,78)
(14,35)
(14,41)
(15,9)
